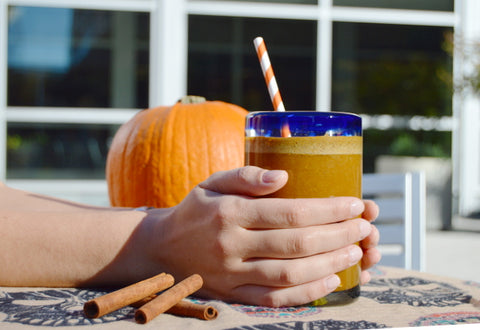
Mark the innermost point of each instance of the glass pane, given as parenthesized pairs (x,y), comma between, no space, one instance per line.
(390,69)
(57,151)
(77,58)
(398,142)
(442,5)
(396,70)
(223,65)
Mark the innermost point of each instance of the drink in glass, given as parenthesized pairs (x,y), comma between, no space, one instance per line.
(322,153)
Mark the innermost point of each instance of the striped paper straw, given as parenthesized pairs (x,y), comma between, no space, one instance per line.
(268,74)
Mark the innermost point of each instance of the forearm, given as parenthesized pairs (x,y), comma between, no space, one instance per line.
(71,245)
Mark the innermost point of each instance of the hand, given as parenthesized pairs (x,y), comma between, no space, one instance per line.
(263,251)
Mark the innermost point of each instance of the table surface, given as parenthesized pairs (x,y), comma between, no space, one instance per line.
(394,298)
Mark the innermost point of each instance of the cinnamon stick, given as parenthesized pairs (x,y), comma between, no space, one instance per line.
(190,309)
(115,300)
(143,301)
(168,299)
(184,308)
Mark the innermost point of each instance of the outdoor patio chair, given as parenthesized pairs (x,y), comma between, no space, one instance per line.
(401,222)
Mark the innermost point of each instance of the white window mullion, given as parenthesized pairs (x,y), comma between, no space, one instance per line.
(310,12)
(3,89)
(253,9)
(324,56)
(468,135)
(168,52)
(393,16)
(60,115)
(154,53)
(456,111)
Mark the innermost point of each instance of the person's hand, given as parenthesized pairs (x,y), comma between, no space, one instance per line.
(263,251)
(371,255)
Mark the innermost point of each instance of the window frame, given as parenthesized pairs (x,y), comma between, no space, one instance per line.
(168,69)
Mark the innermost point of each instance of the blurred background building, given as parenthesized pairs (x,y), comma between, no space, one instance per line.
(72,71)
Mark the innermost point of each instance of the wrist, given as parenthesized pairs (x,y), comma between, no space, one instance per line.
(147,243)
(134,260)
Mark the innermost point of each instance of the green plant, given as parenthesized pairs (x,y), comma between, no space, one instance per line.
(407,145)
(13,142)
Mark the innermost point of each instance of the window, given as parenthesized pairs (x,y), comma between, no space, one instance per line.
(76,60)
(440,5)
(61,57)
(376,69)
(394,70)
(372,57)
(223,65)
(57,151)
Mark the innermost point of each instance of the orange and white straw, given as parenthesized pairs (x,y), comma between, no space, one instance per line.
(268,74)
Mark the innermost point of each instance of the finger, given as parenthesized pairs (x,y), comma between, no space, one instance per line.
(267,213)
(365,277)
(291,272)
(371,210)
(290,296)
(247,180)
(370,258)
(303,242)
(372,239)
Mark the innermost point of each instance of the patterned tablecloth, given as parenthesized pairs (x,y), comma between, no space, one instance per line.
(394,298)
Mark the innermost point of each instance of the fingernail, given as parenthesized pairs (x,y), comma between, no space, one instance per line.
(365,228)
(355,254)
(356,208)
(272,176)
(332,282)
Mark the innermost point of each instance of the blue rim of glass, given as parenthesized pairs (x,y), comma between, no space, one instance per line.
(302,123)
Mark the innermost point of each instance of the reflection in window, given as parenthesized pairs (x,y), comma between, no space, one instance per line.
(57,151)
(223,65)
(398,142)
(390,69)
(77,58)
(442,5)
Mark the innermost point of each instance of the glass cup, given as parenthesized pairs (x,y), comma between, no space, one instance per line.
(322,153)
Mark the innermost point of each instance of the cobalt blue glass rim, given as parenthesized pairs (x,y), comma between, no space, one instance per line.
(302,123)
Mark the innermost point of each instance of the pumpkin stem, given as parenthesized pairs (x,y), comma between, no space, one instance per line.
(192,99)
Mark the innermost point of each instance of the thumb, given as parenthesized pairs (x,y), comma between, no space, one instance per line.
(247,180)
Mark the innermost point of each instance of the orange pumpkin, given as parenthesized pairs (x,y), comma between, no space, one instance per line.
(162,153)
